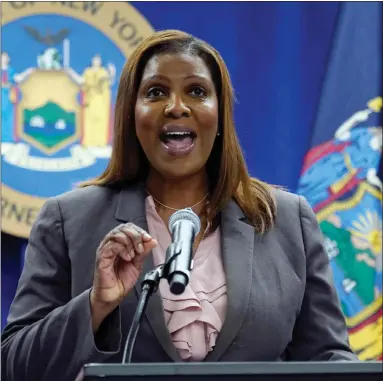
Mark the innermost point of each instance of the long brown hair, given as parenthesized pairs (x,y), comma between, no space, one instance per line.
(226,167)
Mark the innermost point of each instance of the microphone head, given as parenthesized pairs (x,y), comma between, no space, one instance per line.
(182,215)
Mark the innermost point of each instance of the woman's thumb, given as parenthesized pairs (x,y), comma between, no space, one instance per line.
(149,245)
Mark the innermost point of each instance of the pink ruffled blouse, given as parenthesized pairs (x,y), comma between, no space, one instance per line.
(195,317)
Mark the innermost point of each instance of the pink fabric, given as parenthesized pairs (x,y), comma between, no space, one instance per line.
(195,317)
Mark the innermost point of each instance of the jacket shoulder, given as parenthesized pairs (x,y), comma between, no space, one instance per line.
(286,201)
(90,201)
(86,197)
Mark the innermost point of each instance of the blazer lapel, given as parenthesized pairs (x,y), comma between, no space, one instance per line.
(131,208)
(238,251)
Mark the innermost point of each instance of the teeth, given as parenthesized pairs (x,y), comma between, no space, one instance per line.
(178,133)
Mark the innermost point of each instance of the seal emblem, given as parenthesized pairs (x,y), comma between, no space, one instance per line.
(60,65)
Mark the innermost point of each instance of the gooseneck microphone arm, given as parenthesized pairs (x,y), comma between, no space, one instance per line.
(184,226)
(148,286)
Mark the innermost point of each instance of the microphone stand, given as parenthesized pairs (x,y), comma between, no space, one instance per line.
(148,286)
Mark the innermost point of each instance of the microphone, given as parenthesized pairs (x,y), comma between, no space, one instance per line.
(184,225)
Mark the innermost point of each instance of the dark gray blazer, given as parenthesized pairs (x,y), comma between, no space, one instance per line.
(282,305)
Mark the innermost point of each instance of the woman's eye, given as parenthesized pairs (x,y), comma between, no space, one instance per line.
(155,92)
(198,91)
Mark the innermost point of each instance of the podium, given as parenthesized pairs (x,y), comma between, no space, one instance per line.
(246,371)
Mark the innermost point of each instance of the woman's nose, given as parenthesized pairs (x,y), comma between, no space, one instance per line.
(177,108)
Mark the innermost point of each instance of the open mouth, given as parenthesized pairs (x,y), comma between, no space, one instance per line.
(177,140)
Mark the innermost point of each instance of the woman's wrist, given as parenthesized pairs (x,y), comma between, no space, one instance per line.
(99,311)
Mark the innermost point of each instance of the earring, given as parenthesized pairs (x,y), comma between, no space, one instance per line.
(218,134)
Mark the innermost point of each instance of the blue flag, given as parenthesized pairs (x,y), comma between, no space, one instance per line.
(340,176)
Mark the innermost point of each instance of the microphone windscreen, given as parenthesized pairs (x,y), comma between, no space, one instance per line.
(182,215)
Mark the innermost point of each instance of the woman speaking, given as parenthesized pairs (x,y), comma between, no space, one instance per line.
(261,286)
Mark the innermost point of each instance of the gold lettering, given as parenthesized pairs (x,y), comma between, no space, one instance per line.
(20,213)
(136,41)
(126,30)
(4,204)
(92,6)
(15,212)
(20,4)
(31,216)
(70,4)
(87,6)
(116,19)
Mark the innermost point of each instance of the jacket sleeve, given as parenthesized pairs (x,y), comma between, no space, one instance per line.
(320,332)
(49,335)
